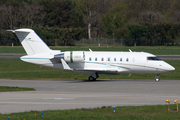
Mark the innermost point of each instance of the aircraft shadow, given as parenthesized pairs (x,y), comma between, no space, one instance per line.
(102,80)
(86,80)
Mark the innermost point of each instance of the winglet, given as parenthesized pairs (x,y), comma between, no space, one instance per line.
(65,65)
(130,50)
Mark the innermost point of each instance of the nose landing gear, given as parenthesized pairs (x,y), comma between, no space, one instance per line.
(157,78)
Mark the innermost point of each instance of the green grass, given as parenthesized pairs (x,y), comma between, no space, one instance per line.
(17,69)
(9,89)
(158,112)
(157,50)
(15,49)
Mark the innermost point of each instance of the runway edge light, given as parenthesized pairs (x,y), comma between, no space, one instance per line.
(168,101)
(176,101)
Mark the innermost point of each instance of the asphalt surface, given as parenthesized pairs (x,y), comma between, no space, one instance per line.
(63,94)
(163,57)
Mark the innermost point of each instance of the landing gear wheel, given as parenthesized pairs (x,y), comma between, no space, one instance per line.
(91,78)
(157,79)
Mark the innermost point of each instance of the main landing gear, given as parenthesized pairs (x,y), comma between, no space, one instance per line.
(157,78)
(93,77)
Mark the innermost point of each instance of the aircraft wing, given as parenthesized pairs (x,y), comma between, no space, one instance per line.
(99,70)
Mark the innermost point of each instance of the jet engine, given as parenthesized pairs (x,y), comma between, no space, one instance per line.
(74,56)
(71,56)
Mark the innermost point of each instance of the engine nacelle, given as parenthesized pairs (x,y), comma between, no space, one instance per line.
(74,56)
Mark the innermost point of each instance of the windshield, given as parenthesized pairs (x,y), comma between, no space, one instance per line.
(154,58)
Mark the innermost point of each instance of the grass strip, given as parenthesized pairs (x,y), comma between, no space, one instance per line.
(157,50)
(9,89)
(17,69)
(157,112)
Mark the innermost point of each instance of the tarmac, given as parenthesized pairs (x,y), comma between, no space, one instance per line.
(62,94)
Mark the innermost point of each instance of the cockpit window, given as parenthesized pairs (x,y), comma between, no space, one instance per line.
(154,58)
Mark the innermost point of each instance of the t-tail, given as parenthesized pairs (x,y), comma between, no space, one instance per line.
(31,42)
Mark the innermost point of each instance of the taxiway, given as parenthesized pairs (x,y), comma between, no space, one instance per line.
(63,94)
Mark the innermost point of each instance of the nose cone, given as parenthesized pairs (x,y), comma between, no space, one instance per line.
(171,68)
(168,67)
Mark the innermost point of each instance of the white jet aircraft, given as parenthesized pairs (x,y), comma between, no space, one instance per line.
(89,62)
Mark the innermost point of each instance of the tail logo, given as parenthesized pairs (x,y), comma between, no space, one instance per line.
(29,39)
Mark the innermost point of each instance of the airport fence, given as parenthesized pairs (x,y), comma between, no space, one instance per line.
(100,42)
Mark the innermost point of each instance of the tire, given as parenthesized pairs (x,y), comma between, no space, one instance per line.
(91,78)
(157,79)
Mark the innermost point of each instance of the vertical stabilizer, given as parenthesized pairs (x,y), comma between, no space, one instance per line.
(31,42)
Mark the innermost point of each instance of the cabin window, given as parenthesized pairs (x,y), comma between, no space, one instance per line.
(121,59)
(90,59)
(109,59)
(96,59)
(133,59)
(127,59)
(154,58)
(102,59)
(114,59)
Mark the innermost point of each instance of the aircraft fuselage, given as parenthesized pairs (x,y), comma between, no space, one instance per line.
(103,62)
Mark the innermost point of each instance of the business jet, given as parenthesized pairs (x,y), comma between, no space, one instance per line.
(89,62)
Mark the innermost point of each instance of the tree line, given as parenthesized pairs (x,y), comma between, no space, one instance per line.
(138,22)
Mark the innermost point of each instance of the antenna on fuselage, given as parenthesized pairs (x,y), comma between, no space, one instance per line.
(90,50)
